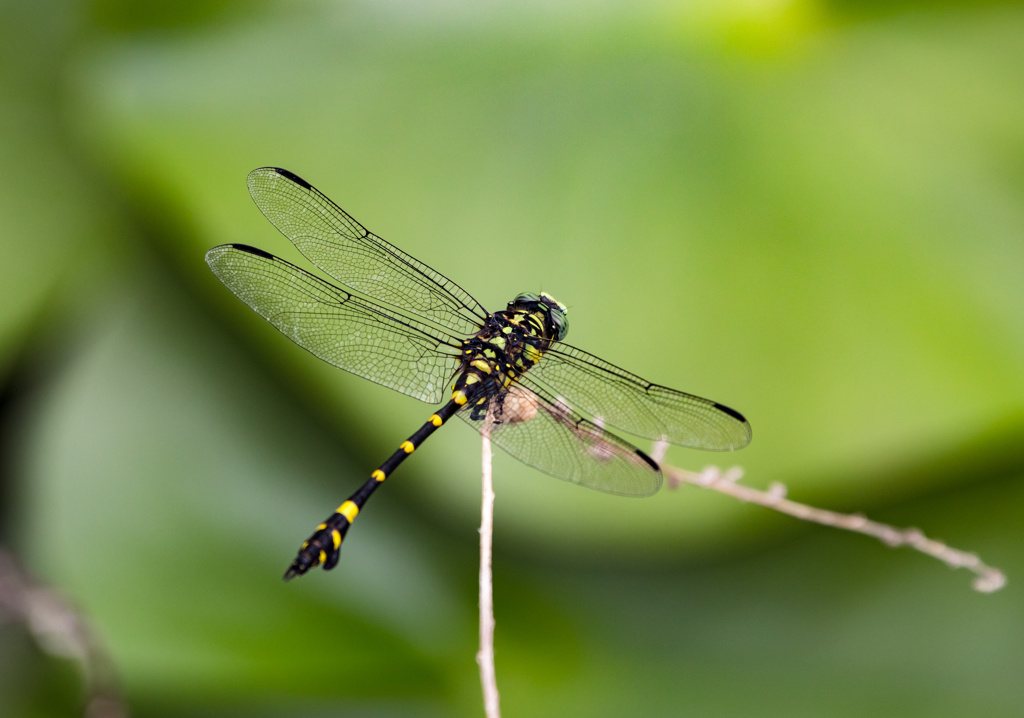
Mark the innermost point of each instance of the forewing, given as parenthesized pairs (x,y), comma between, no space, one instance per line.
(548,435)
(618,398)
(347,251)
(342,329)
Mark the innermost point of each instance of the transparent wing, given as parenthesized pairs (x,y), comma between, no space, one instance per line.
(548,435)
(340,328)
(347,251)
(615,397)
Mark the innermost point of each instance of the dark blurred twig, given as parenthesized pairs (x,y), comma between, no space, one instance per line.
(62,632)
(989,579)
(485,656)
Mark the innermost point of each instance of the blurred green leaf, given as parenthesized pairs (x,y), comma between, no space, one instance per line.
(129,16)
(51,212)
(33,685)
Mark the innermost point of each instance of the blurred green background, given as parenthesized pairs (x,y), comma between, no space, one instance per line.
(811,211)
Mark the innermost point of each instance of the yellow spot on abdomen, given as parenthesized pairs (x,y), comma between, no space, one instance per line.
(459,397)
(407,447)
(349,510)
(378,474)
(336,535)
(321,527)
(323,557)
(435,420)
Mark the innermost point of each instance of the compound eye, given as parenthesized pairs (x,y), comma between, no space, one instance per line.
(561,325)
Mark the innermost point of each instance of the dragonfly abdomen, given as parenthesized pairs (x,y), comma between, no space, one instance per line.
(324,546)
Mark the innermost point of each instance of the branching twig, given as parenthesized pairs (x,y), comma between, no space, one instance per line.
(61,632)
(485,657)
(988,579)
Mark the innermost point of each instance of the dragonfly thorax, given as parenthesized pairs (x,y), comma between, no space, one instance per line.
(507,346)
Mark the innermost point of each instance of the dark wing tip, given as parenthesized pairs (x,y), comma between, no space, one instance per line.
(258,177)
(731,412)
(650,462)
(252,250)
(292,176)
(747,432)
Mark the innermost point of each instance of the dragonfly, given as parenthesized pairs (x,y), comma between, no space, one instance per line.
(509,374)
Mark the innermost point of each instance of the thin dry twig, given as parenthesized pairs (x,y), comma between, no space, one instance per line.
(485,656)
(988,579)
(60,631)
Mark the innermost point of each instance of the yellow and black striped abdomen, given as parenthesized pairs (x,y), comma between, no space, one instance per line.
(324,546)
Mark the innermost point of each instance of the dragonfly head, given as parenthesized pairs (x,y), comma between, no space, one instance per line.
(553,309)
